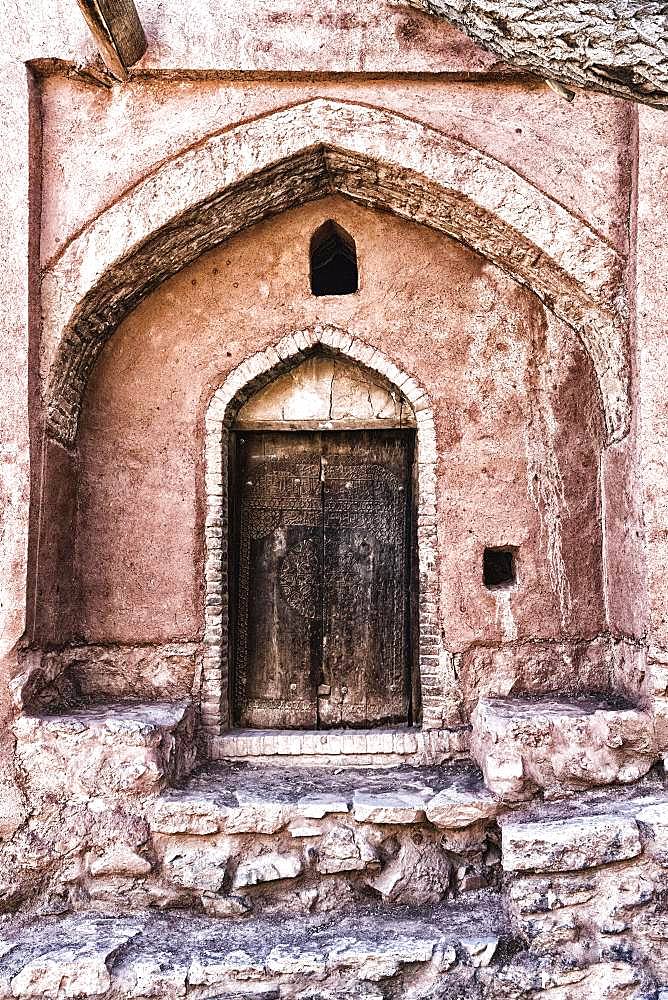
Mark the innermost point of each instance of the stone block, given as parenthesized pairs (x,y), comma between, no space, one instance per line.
(569,844)
(196,868)
(374,961)
(317,806)
(188,812)
(258,817)
(418,874)
(454,808)
(532,894)
(556,746)
(339,852)
(654,818)
(225,906)
(389,807)
(120,860)
(297,961)
(106,750)
(480,950)
(268,867)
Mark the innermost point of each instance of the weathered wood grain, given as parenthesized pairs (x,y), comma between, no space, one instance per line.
(118,32)
(321,633)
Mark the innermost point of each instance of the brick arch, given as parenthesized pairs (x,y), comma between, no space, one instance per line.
(237,177)
(244,381)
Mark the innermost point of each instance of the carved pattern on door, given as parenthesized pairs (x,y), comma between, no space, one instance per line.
(299,576)
(322,555)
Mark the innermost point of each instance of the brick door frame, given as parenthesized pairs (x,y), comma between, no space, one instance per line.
(241,383)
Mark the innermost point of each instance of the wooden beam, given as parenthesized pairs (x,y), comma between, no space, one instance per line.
(117,31)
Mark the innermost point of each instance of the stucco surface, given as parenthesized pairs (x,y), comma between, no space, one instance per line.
(15,219)
(587,168)
(477,347)
(652,294)
(284,36)
(14,352)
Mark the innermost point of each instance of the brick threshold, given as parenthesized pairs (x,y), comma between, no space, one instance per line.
(342,747)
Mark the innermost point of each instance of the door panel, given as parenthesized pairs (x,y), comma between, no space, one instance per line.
(279,616)
(365,523)
(321,634)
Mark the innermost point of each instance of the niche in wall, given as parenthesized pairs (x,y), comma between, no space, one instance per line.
(333,258)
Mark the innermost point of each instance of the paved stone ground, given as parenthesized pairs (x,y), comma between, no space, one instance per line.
(172,955)
(230,782)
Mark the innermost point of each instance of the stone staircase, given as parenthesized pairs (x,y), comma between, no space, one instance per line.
(266,875)
(238,839)
(320,958)
(579,912)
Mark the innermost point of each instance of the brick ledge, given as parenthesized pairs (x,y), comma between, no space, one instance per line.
(343,747)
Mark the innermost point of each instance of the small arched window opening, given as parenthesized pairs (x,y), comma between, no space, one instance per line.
(333,261)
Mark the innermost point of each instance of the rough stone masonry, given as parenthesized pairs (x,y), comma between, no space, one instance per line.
(334,532)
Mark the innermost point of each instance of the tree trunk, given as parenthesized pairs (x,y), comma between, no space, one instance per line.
(617,47)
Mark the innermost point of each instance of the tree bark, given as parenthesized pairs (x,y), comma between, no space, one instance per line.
(617,47)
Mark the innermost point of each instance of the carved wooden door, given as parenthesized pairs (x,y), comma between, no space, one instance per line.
(365,580)
(321,632)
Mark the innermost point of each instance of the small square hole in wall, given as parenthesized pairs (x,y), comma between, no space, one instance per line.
(498,568)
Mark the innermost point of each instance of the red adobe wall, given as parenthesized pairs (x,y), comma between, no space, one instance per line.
(513,394)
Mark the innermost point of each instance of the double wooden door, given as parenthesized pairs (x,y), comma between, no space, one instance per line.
(321,579)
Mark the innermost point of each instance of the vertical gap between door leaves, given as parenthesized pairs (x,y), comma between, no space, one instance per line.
(321,667)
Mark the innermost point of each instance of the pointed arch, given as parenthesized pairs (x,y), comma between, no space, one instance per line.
(236,178)
(254,373)
(333,261)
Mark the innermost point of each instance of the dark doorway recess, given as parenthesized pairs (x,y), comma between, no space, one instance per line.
(333,261)
(498,568)
(321,559)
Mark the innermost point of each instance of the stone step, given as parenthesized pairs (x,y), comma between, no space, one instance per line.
(106,750)
(585,876)
(172,955)
(554,746)
(236,839)
(380,747)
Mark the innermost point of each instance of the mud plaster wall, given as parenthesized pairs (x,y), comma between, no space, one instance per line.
(517,420)
(580,154)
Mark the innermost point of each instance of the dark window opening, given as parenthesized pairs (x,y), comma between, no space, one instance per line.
(498,567)
(333,261)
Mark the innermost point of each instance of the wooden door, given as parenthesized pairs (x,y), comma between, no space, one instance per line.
(278,634)
(321,635)
(365,580)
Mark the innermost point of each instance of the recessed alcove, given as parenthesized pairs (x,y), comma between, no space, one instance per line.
(333,260)
(498,568)
(321,468)
(151,574)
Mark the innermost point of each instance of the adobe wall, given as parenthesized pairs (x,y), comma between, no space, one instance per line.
(582,155)
(551,434)
(518,426)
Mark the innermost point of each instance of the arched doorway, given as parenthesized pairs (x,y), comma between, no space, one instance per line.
(321,530)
